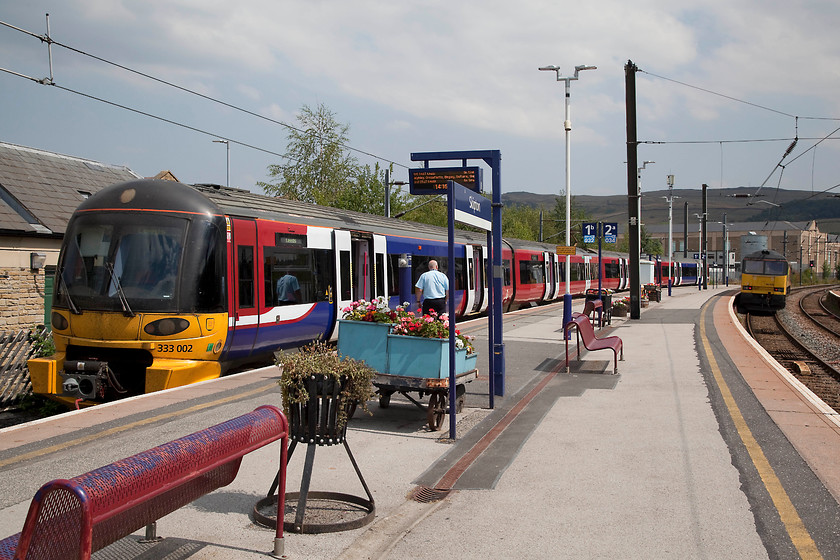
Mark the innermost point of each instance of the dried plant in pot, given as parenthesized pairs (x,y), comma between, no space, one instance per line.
(320,392)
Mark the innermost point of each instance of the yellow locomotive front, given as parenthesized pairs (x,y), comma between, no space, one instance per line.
(765,281)
(139,297)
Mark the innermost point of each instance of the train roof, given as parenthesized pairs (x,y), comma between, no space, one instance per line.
(765,255)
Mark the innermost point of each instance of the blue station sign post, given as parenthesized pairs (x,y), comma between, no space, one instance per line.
(608,231)
(468,206)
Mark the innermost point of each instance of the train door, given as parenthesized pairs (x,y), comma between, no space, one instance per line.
(587,272)
(470,287)
(482,286)
(622,272)
(343,295)
(244,295)
(380,267)
(547,276)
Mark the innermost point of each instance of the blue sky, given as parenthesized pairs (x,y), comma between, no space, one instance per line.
(433,75)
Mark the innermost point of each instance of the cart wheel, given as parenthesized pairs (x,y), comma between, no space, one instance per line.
(385,400)
(460,398)
(437,410)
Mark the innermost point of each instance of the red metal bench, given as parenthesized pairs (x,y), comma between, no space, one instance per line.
(74,518)
(586,332)
(589,309)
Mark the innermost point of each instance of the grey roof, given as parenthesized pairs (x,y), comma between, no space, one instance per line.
(39,190)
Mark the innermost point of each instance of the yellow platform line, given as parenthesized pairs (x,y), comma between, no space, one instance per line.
(85,439)
(796,530)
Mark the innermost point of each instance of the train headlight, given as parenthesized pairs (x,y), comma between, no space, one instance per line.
(745,287)
(59,321)
(166,327)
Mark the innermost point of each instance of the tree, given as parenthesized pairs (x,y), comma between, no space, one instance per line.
(320,168)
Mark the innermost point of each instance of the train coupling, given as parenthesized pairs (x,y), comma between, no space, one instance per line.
(85,379)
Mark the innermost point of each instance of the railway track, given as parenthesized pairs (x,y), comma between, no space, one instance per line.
(803,338)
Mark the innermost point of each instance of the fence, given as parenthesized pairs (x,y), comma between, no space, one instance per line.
(15,349)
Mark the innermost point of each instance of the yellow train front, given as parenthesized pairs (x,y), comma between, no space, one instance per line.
(140,297)
(765,281)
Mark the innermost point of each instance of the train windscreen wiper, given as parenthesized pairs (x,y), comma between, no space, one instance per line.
(74,309)
(115,281)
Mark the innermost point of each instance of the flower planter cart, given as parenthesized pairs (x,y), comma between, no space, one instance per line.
(436,388)
(365,341)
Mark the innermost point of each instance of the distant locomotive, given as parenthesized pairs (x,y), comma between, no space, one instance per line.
(765,281)
(161,284)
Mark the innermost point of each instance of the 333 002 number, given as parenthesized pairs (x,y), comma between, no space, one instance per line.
(175,347)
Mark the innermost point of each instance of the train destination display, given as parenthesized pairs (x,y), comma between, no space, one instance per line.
(433,180)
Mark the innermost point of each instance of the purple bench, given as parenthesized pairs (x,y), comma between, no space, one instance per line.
(74,518)
(586,332)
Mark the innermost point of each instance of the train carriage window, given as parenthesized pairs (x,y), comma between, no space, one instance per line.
(421,265)
(296,275)
(379,271)
(393,275)
(531,272)
(246,277)
(346,275)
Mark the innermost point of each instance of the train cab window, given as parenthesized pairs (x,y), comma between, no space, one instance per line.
(296,275)
(506,271)
(246,276)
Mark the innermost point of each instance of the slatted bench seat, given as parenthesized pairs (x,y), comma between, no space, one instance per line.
(74,518)
(586,332)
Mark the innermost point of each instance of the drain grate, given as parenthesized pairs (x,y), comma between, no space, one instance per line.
(426,495)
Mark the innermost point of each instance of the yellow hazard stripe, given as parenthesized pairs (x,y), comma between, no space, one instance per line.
(798,533)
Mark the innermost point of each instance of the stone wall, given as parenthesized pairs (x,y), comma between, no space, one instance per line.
(21,298)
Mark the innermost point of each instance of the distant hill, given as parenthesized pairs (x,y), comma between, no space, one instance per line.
(794,205)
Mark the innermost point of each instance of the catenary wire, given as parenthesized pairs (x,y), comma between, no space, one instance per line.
(51,41)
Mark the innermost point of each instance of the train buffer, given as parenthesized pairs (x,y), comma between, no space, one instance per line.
(74,518)
(586,332)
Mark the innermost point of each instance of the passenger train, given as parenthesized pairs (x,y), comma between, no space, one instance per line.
(161,284)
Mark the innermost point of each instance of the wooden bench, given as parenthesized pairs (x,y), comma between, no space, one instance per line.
(586,332)
(74,518)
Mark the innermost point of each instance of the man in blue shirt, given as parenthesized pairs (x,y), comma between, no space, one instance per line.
(288,290)
(432,288)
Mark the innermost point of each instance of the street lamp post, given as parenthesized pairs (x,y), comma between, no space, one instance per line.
(567,125)
(227,146)
(639,202)
(670,198)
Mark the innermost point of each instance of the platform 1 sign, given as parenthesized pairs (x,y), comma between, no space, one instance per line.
(433,180)
(565,250)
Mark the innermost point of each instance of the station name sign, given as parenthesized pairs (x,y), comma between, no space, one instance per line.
(433,180)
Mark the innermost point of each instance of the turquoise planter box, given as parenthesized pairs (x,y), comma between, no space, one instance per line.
(367,342)
(413,356)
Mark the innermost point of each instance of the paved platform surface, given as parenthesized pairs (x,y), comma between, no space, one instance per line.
(680,455)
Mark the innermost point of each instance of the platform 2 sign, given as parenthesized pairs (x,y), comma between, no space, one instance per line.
(433,180)
(608,229)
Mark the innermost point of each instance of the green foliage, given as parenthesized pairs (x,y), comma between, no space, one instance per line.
(41,340)
(321,358)
(320,168)
(650,246)
(40,407)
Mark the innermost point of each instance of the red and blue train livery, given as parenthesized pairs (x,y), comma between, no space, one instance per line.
(161,284)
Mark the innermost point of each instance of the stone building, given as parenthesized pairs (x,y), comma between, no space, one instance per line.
(39,191)
(800,242)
